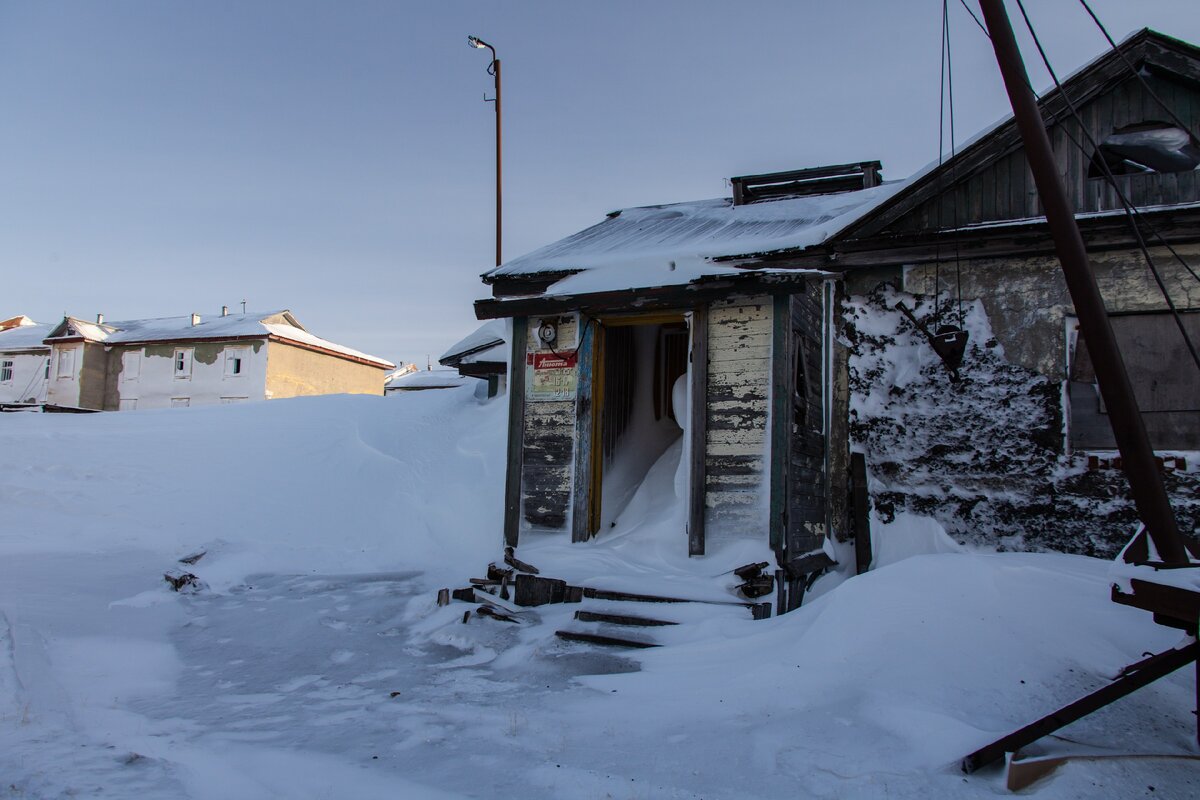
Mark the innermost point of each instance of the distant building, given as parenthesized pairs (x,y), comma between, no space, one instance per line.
(483,354)
(418,380)
(185,361)
(23,361)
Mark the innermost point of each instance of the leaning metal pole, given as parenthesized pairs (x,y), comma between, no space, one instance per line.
(1149,494)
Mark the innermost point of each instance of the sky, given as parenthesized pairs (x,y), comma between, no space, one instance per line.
(159,158)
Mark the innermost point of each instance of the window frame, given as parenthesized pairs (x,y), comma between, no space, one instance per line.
(182,363)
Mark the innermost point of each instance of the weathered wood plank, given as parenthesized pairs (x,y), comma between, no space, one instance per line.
(516,428)
(697,431)
(581,488)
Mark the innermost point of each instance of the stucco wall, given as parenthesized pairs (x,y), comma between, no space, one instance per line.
(1027,300)
(28,377)
(296,372)
(154,384)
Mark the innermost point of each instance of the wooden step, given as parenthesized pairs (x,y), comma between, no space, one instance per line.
(605,594)
(594,638)
(621,619)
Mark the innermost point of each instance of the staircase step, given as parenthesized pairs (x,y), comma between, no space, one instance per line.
(594,638)
(621,619)
(605,594)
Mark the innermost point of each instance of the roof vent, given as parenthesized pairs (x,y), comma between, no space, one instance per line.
(224,311)
(195,319)
(803,182)
(99,319)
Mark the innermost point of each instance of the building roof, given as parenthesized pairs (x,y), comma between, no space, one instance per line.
(674,244)
(485,343)
(425,379)
(259,324)
(25,337)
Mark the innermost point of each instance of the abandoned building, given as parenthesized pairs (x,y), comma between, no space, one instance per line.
(725,322)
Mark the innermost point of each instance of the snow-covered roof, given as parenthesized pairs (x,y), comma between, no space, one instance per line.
(278,323)
(483,339)
(25,337)
(425,379)
(675,244)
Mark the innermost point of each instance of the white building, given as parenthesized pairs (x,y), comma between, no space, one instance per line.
(23,361)
(190,360)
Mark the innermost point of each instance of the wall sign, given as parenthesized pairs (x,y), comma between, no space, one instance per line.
(551,376)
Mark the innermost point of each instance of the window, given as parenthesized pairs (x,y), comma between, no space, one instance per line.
(6,371)
(183,363)
(228,401)
(127,404)
(131,365)
(235,361)
(180,402)
(66,363)
(1144,148)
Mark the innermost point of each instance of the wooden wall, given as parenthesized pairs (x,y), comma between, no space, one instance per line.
(548,444)
(1004,190)
(739,379)
(807,508)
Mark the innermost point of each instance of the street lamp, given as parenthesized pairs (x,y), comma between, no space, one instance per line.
(494,70)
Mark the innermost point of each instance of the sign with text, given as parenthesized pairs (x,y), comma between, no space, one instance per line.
(551,376)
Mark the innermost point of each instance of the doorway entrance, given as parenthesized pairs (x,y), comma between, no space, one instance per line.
(638,408)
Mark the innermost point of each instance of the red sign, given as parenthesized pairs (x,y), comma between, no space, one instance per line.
(552,360)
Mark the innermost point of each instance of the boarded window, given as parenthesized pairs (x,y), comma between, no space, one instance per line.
(131,364)
(66,363)
(180,402)
(1166,382)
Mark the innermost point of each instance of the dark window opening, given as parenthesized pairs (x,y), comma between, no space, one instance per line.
(1147,147)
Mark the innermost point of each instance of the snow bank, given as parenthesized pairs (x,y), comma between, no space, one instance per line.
(339,483)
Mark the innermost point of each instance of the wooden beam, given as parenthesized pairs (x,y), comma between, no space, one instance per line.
(1151,670)
(697,431)
(516,431)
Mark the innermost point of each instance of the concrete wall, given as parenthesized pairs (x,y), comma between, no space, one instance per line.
(144,376)
(296,372)
(28,382)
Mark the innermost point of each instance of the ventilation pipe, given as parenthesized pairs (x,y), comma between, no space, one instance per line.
(224,311)
(99,319)
(195,319)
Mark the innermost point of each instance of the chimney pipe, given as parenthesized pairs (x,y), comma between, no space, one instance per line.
(195,319)
(224,311)
(99,319)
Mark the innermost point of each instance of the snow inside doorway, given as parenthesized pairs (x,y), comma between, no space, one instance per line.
(639,433)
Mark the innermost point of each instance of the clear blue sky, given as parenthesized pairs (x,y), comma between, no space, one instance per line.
(160,157)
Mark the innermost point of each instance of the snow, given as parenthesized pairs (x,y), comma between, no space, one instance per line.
(317,664)
(25,337)
(674,244)
(487,337)
(426,379)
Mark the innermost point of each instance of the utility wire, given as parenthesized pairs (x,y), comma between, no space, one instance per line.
(1112,181)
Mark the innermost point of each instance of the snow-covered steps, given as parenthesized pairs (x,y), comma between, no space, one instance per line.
(596,638)
(621,619)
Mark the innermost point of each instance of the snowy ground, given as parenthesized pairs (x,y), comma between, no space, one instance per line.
(317,665)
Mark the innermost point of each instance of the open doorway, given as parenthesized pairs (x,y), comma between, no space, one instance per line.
(638,405)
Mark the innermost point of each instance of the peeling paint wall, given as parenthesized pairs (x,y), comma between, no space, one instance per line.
(548,435)
(142,377)
(1027,299)
(297,372)
(739,380)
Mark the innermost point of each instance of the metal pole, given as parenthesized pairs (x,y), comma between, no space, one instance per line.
(499,203)
(1129,429)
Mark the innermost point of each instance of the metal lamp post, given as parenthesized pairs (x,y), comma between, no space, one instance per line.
(494,70)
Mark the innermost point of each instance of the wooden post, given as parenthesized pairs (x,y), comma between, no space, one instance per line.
(781,395)
(698,431)
(516,430)
(860,503)
(585,408)
(1129,428)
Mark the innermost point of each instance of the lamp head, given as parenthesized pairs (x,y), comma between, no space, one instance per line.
(476,42)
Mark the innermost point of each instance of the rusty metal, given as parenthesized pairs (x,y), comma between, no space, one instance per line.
(1149,494)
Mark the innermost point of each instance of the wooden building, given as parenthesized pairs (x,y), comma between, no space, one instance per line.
(613,326)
